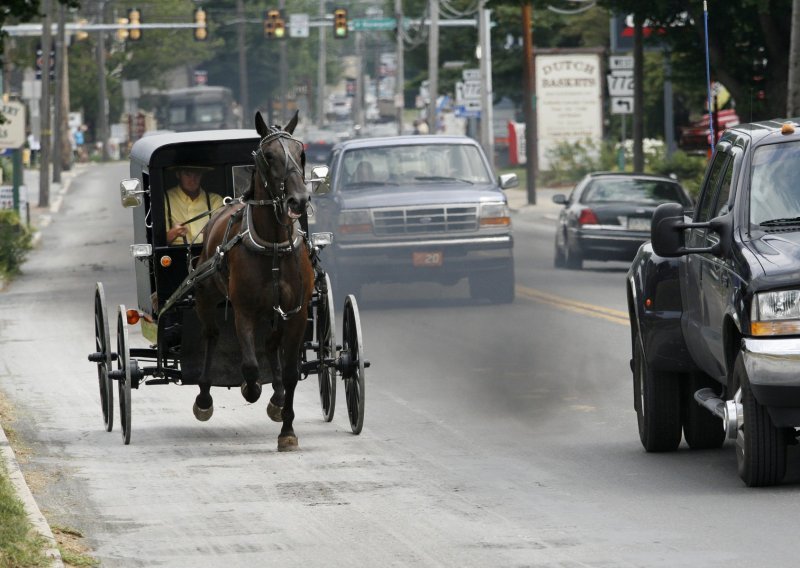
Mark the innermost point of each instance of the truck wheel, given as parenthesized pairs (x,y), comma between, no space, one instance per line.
(701,429)
(760,445)
(658,404)
(574,258)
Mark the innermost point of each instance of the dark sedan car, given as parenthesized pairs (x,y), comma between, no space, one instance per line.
(416,208)
(607,216)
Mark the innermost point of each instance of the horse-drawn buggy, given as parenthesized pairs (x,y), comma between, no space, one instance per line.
(230,286)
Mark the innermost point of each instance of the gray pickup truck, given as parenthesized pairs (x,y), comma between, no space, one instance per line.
(413,209)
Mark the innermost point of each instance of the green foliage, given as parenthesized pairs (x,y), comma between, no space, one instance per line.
(7,169)
(19,545)
(15,242)
(569,162)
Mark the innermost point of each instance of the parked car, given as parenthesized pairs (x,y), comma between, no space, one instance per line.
(607,216)
(411,208)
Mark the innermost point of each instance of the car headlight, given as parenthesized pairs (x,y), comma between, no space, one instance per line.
(355,221)
(495,215)
(775,313)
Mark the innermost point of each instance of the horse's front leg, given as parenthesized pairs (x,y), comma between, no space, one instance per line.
(276,402)
(204,404)
(245,331)
(290,359)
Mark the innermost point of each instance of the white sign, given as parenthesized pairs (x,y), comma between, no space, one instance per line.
(621,105)
(616,62)
(472,90)
(471,74)
(569,101)
(298,25)
(620,84)
(12,132)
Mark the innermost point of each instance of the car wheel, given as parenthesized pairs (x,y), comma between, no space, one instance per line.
(559,260)
(658,404)
(760,445)
(574,258)
(701,429)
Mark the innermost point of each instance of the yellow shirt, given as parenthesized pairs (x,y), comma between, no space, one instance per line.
(184,208)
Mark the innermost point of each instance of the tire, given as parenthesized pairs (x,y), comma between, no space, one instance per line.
(760,445)
(353,375)
(701,429)
(574,257)
(326,349)
(658,404)
(559,258)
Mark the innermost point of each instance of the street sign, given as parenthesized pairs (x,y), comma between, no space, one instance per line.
(621,105)
(619,62)
(472,90)
(620,84)
(298,25)
(471,74)
(12,133)
(360,24)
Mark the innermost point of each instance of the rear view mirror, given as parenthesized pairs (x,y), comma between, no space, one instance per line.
(666,230)
(560,198)
(131,192)
(508,181)
(319,182)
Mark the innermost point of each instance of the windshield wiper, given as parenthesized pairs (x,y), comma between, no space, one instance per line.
(780,222)
(442,178)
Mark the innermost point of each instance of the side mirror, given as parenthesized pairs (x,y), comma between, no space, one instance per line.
(131,192)
(320,185)
(507,181)
(668,226)
(560,198)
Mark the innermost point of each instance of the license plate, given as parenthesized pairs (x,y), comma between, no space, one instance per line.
(427,258)
(638,224)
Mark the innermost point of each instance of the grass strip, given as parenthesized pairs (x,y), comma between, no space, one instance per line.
(20,545)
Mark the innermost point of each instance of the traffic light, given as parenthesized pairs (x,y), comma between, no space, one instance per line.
(135,18)
(274,26)
(200,32)
(339,23)
(122,33)
(81,35)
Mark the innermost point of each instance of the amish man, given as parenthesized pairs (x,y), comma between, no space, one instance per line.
(187,201)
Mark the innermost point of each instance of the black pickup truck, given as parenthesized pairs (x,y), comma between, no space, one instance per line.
(714,303)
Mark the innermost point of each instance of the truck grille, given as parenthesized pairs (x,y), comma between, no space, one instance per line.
(425,220)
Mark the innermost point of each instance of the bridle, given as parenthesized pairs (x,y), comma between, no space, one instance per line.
(277,199)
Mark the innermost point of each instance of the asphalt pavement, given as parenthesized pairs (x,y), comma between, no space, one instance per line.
(42,216)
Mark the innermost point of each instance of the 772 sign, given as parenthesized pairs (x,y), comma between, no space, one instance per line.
(620,83)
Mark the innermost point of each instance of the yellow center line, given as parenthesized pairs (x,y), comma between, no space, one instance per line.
(609,314)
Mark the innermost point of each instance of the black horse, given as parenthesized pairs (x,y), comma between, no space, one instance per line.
(266,275)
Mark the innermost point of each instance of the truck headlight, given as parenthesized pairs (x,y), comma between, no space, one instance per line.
(355,221)
(775,313)
(495,215)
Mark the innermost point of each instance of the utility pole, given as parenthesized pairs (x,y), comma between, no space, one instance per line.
(244,94)
(793,96)
(638,92)
(359,98)
(399,79)
(433,64)
(59,120)
(46,139)
(487,93)
(530,101)
(284,71)
(102,117)
(321,68)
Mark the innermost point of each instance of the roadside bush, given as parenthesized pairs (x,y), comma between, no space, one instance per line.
(15,242)
(688,168)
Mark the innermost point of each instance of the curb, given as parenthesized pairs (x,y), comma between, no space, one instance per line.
(23,492)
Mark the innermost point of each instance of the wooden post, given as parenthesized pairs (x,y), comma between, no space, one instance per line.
(530,101)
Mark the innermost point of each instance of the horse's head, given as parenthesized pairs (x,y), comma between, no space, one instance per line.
(280,166)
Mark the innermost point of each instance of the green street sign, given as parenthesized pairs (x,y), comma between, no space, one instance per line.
(360,24)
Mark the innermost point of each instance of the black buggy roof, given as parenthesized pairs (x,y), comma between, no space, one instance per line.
(159,150)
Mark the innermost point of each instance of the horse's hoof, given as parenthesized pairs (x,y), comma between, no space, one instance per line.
(202,414)
(287,443)
(274,412)
(251,393)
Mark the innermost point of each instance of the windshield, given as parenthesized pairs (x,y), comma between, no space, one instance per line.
(208,112)
(774,189)
(421,163)
(639,191)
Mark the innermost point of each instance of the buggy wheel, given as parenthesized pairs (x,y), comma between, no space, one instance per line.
(325,324)
(124,380)
(102,355)
(353,364)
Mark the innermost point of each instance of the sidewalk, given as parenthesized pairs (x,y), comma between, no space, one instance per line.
(518,199)
(40,217)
